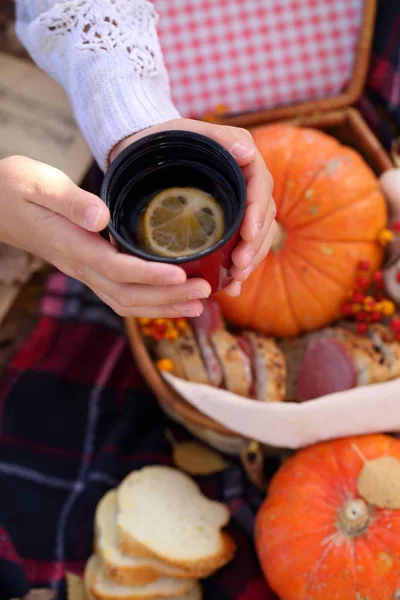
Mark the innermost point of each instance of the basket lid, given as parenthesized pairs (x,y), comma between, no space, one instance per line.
(254,60)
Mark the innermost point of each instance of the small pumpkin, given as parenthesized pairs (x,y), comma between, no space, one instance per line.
(317,538)
(330,212)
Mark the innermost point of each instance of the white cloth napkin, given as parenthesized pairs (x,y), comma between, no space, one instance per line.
(369,409)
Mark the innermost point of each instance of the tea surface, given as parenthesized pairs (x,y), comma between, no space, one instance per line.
(180,222)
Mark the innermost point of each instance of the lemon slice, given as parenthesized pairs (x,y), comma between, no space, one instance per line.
(180,222)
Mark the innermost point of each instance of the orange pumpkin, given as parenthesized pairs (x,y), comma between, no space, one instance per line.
(330,212)
(317,539)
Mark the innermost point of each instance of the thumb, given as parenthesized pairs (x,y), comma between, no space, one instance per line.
(56,192)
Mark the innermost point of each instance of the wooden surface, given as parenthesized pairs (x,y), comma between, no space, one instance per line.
(24,314)
(22,318)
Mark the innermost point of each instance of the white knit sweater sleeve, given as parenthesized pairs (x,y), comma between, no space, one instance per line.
(106,55)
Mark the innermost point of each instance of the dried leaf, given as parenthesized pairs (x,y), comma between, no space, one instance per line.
(379,482)
(195,458)
(76,587)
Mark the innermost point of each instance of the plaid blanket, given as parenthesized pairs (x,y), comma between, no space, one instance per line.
(75,419)
(75,416)
(380,103)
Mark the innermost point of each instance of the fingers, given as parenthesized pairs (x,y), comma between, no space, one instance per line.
(53,190)
(240,275)
(130,295)
(244,254)
(260,204)
(91,260)
(83,249)
(172,311)
(239,142)
(233,289)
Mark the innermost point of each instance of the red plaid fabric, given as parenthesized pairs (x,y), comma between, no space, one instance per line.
(75,419)
(382,91)
(252,54)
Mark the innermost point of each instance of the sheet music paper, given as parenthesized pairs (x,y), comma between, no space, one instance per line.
(36,119)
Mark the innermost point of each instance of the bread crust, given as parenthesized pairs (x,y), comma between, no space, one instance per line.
(237,375)
(197,569)
(105,545)
(93,567)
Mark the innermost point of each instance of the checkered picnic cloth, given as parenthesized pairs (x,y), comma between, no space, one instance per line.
(252,54)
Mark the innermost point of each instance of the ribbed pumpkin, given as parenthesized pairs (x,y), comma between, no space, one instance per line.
(330,213)
(317,539)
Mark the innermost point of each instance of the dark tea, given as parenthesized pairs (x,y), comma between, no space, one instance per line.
(177,197)
(179,222)
(187,181)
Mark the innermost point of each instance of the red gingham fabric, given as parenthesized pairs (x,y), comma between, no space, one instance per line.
(253,54)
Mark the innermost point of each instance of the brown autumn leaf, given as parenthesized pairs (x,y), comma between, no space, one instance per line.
(75,587)
(379,482)
(195,458)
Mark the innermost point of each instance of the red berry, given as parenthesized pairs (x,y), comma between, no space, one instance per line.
(362,328)
(375,316)
(361,316)
(363,282)
(377,277)
(398,277)
(395,324)
(364,265)
(347,309)
(358,297)
(396,226)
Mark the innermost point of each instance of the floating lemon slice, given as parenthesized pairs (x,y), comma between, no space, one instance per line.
(180,222)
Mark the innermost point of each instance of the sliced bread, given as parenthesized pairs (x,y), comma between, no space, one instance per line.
(100,587)
(235,364)
(164,512)
(185,354)
(269,367)
(123,569)
(384,339)
(371,363)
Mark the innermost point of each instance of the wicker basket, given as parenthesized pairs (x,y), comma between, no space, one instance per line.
(334,116)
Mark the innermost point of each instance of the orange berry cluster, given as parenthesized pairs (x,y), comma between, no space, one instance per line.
(366,304)
(165,364)
(219,111)
(162,329)
(386,236)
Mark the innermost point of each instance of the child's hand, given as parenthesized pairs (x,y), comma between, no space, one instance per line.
(259,228)
(44,212)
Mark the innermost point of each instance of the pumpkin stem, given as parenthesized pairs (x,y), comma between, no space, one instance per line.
(280,238)
(354,517)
